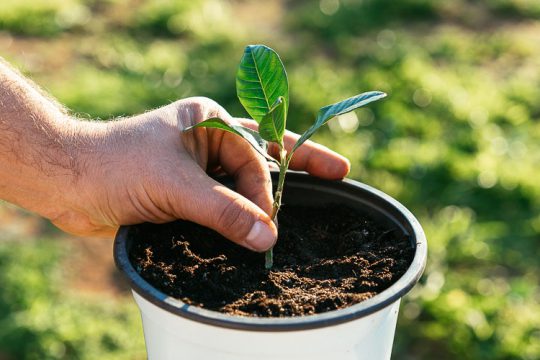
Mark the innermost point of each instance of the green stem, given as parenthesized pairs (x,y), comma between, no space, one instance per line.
(284,165)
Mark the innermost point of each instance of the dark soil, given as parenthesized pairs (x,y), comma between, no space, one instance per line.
(325,259)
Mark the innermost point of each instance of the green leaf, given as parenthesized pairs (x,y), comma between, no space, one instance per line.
(261,79)
(272,125)
(330,111)
(252,136)
(215,123)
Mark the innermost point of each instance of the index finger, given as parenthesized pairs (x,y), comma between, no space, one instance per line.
(314,158)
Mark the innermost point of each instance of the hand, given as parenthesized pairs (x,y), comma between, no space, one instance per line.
(146,169)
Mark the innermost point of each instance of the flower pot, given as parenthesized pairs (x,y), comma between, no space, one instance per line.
(176,330)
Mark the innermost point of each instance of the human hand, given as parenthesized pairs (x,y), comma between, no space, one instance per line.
(145,168)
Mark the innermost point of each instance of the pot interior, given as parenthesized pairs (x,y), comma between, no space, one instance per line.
(301,189)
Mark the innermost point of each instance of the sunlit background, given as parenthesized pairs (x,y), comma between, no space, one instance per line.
(457,141)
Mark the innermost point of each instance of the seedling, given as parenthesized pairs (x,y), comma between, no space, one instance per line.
(263,90)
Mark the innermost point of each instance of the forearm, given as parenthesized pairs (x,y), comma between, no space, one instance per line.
(37,164)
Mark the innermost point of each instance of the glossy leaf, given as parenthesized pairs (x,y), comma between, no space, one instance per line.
(261,79)
(272,126)
(330,111)
(252,136)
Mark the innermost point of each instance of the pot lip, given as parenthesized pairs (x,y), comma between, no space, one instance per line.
(362,309)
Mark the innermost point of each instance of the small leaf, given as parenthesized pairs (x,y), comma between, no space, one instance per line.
(261,79)
(251,136)
(328,112)
(254,139)
(215,123)
(272,126)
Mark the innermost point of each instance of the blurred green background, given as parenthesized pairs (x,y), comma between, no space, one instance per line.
(457,141)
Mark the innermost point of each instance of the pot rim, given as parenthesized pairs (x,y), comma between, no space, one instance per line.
(392,294)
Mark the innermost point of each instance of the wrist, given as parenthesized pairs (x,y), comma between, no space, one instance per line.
(76,197)
(102,154)
(67,165)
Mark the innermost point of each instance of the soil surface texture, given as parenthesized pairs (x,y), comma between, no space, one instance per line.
(325,259)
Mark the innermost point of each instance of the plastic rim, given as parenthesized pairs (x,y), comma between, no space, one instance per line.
(377,201)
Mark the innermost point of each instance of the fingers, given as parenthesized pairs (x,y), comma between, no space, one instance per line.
(242,217)
(314,158)
(213,205)
(249,169)
(237,158)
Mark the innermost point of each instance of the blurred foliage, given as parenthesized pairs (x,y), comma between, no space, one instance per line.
(457,141)
(41,320)
(44,18)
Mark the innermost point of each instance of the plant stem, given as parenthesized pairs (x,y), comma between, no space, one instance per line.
(284,165)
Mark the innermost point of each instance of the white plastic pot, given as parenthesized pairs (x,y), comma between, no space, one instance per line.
(176,330)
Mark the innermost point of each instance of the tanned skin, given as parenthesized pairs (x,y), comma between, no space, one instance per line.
(90,177)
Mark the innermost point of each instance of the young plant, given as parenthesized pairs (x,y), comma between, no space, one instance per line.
(263,90)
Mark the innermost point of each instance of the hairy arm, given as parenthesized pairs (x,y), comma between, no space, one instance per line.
(37,165)
(90,177)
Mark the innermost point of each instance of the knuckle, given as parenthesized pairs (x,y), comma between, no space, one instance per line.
(201,108)
(198,111)
(256,169)
(261,178)
(202,100)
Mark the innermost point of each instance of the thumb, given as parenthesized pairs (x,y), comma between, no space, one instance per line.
(215,206)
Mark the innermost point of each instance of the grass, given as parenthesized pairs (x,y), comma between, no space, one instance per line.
(41,319)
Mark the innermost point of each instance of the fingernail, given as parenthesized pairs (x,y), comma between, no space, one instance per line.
(347,169)
(260,237)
